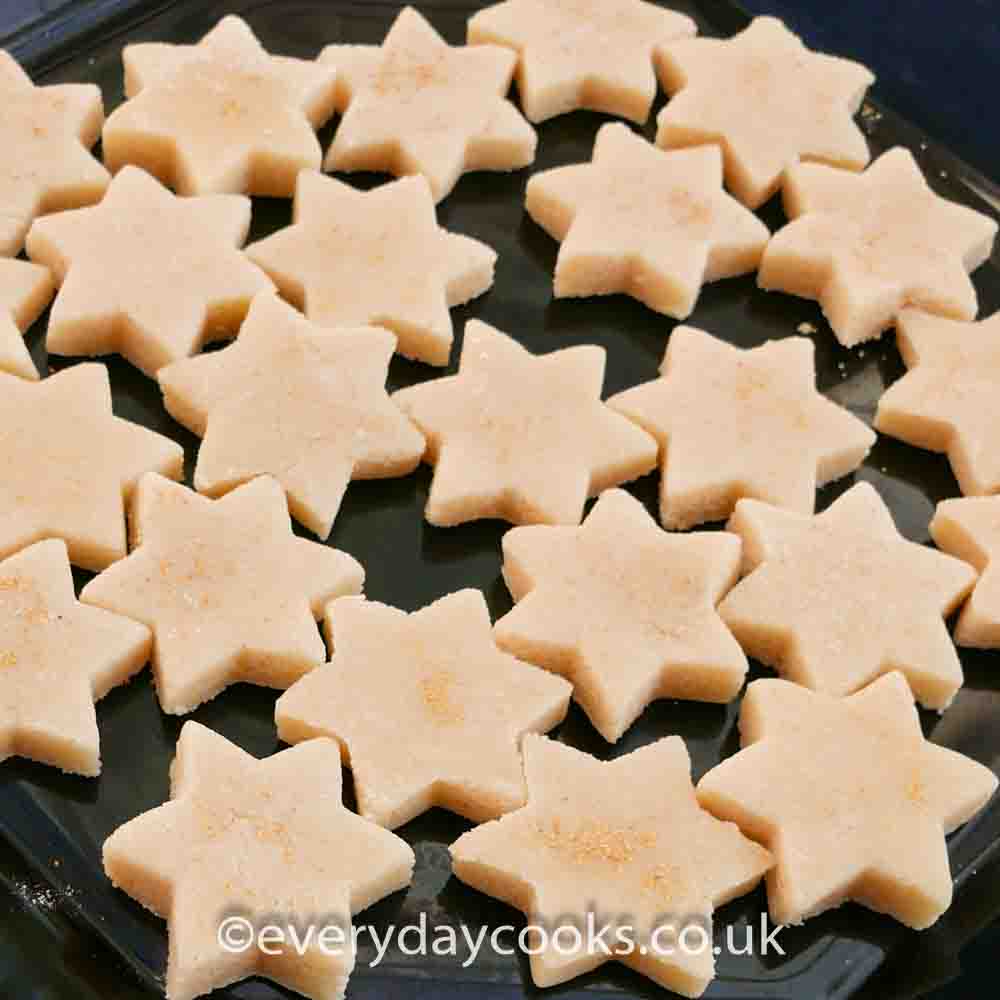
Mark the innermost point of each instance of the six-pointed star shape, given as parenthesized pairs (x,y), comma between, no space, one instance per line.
(25,290)
(767,100)
(67,464)
(289,400)
(624,610)
(416,105)
(45,135)
(639,220)
(379,257)
(437,676)
(229,592)
(950,399)
(259,838)
(520,436)
(850,797)
(146,274)
(220,116)
(970,529)
(866,246)
(57,657)
(736,423)
(607,837)
(593,54)
(836,600)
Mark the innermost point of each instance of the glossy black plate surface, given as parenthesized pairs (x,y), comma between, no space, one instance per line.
(58,823)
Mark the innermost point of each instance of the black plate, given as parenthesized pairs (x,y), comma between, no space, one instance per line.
(58,823)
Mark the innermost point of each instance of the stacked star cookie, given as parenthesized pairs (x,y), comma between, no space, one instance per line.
(835,793)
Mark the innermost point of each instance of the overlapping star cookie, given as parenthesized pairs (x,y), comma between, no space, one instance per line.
(67,464)
(836,600)
(520,436)
(593,54)
(639,220)
(735,423)
(767,100)
(867,246)
(437,676)
(970,529)
(256,841)
(220,116)
(850,797)
(379,257)
(45,134)
(624,841)
(619,582)
(416,105)
(146,274)
(25,290)
(57,657)
(229,592)
(950,399)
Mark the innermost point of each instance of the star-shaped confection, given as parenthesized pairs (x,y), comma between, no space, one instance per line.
(625,836)
(261,841)
(416,105)
(593,54)
(146,274)
(970,529)
(67,464)
(229,592)
(25,290)
(767,100)
(520,436)
(437,676)
(618,583)
(736,423)
(57,657)
(836,600)
(850,797)
(290,400)
(866,246)
(949,400)
(638,220)
(220,116)
(45,134)
(379,257)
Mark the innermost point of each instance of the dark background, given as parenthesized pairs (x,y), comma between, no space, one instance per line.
(938,63)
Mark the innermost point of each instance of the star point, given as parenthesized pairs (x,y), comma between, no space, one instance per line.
(25,291)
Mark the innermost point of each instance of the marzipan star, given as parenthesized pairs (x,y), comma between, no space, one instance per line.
(262,841)
(25,290)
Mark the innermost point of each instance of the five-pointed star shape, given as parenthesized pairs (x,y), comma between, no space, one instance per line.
(767,100)
(220,116)
(850,797)
(57,657)
(379,257)
(618,583)
(416,105)
(622,836)
(948,401)
(736,423)
(638,220)
(229,592)
(437,676)
(593,54)
(866,246)
(265,840)
(45,135)
(836,600)
(67,464)
(25,290)
(146,274)
(970,529)
(520,436)
(289,400)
